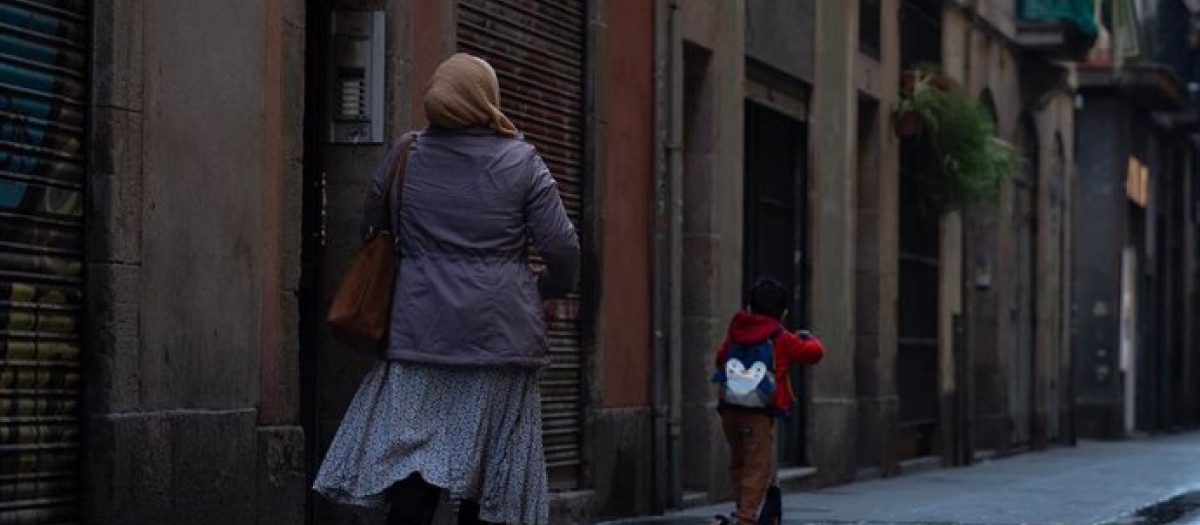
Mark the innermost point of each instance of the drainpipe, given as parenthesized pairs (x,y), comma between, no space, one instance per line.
(959,322)
(667,347)
(674,150)
(660,314)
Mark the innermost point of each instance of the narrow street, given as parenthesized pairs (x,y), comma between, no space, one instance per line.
(1154,481)
(309,262)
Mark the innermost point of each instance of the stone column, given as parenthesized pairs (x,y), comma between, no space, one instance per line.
(878,207)
(832,425)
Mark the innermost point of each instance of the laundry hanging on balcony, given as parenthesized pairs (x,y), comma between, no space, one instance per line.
(1079,13)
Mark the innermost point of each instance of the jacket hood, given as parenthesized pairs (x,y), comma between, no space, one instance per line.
(748,328)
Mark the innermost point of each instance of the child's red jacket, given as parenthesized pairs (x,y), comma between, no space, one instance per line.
(747,328)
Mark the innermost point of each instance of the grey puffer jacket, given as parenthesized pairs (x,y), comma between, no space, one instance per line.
(466,294)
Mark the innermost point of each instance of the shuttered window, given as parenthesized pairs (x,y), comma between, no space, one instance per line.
(43,57)
(537,49)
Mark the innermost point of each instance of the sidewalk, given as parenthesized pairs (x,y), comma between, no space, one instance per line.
(1093,484)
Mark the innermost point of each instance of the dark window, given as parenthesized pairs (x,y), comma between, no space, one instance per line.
(919,265)
(776,228)
(869,13)
(920,32)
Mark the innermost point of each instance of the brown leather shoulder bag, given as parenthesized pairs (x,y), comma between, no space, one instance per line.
(362,305)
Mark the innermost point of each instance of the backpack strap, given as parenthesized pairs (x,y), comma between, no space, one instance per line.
(772,338)
(787,378)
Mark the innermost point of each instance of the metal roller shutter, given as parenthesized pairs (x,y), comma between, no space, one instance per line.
(537,49)
(43,58)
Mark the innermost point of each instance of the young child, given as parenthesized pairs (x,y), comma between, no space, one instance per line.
(753,389)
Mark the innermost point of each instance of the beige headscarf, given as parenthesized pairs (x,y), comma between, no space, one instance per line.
(464,92)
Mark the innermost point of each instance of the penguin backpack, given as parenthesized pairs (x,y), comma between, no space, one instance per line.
(747,377)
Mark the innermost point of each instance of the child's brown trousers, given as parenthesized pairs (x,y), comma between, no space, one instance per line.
(752,456)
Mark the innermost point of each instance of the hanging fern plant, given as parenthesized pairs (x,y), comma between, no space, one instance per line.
(971,162)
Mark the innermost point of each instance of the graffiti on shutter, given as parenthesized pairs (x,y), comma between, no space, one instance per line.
(43,57)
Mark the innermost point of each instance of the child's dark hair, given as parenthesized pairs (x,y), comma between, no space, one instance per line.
(768,297)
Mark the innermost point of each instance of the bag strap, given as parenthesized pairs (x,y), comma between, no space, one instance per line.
(397,173)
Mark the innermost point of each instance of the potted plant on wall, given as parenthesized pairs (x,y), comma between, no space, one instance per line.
(970,162)
(919,88)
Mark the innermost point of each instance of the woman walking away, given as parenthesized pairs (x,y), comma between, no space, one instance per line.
(455,406)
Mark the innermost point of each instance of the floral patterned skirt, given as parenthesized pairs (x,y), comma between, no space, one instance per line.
(474,432)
